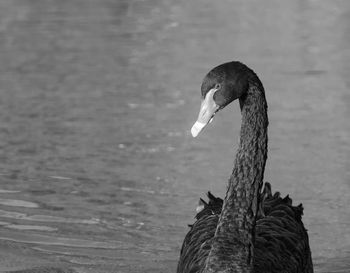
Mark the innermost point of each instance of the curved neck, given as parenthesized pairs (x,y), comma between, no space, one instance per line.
(232,248)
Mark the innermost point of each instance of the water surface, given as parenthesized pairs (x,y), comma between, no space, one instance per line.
(98,170)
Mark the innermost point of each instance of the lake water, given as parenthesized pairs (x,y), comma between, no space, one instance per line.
(98,169)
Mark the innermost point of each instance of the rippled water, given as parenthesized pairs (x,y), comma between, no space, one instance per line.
(98,170)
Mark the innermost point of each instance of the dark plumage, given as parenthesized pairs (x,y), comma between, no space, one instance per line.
(251,230)
(281,239)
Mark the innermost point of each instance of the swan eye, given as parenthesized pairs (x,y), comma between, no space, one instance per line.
(217,86)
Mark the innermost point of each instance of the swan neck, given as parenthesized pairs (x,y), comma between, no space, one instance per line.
(235,230)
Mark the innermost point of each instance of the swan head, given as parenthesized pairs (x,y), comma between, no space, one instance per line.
(221,86)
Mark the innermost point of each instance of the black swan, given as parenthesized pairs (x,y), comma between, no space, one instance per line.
(251,230)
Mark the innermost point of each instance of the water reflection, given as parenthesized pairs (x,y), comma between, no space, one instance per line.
(98,170)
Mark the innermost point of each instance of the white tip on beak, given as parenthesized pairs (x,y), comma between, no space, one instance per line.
(196,128)
(206,113)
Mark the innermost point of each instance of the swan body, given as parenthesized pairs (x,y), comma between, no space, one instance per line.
(281,243)
(252,229)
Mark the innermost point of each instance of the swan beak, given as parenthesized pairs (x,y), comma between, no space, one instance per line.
(206,113)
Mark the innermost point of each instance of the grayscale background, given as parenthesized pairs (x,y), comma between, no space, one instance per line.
(98,170)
